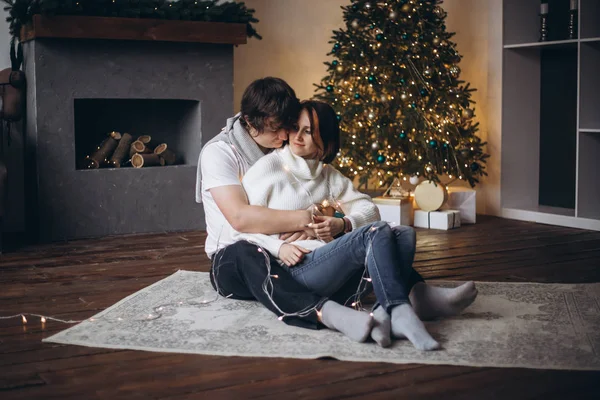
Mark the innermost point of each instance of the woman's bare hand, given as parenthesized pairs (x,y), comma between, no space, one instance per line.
(326,228)
(291,254)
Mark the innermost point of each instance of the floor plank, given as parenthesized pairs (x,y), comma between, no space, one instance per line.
(76,280)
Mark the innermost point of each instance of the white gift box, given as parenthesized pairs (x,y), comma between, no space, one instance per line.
(444,219)
(395,210)
(462,199)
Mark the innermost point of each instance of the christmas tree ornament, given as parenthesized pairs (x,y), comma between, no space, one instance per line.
(379,37)
(335,63)
(436,40)
(402,135)
(439,11)
(355,24)
(430,196)
(372,78)
(405,8)
(403,96)
(454,71)
(474,167)
(467,113)
(375,145)
(427,72)
(356,96)
(371,115)
(381,159)
(414,180)
(433,144)
(393,15)
(329,88)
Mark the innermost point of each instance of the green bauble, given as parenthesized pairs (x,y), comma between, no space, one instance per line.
(379,37)
(381,159)
(474,167)
(329,88)
(402,135)
(433,143)
(371,78)
(335,63)
(356,96)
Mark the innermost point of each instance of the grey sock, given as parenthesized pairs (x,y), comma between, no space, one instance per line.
(382,326)
(432,302)
(354,324)
(405,322)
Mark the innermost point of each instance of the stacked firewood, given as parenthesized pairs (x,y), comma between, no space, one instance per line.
(121,150)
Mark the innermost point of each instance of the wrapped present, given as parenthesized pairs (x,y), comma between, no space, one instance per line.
(395,210)
(462,199)
(443,219)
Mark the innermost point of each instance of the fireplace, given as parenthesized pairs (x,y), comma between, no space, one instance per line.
(81,89)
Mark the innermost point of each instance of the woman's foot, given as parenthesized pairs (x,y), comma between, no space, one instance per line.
(354,324)
(382,327)
(432,302)
(406,323)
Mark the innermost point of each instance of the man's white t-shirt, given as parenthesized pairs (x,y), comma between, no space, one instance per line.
(221,165)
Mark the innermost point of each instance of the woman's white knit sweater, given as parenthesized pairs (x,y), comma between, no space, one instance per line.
(283,181)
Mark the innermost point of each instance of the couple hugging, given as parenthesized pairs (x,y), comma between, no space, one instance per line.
(259,181)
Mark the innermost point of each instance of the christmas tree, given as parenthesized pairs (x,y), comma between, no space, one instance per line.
(394,83)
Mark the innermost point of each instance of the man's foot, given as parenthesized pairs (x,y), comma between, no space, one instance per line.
(354,324)
(432,302)
(406,323)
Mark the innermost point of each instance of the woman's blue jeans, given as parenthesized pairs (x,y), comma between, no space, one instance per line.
(387,253)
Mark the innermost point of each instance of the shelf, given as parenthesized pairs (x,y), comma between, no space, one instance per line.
(555,43)
(550,120)
(589,86)
(543,217)
(589,18)
(588,191)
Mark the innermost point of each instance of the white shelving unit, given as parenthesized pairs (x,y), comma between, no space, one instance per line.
(551,115)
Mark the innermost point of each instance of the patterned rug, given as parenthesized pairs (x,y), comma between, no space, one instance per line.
(528,325)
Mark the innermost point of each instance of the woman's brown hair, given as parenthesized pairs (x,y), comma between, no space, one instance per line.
(327,134)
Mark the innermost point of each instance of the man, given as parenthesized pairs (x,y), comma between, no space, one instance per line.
(269,109)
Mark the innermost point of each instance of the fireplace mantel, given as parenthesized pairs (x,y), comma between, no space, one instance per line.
(116,28)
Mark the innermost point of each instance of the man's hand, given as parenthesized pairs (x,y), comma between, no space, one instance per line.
(326,228)
(306,234)
(291,254)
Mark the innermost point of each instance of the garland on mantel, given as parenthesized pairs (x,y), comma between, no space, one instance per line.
(20,12)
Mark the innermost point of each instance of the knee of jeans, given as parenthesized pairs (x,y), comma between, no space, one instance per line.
(406,232)
(380,224)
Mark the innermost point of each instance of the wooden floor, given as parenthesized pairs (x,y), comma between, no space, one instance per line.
(78,279)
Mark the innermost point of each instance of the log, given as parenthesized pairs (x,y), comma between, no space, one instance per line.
(104,151)
(121,151)
(166,154)
(146,160)
(138,147)
(145,139)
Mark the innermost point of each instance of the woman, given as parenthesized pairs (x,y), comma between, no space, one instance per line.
(298,176)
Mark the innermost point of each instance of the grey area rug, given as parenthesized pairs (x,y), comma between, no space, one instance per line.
(527,325)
